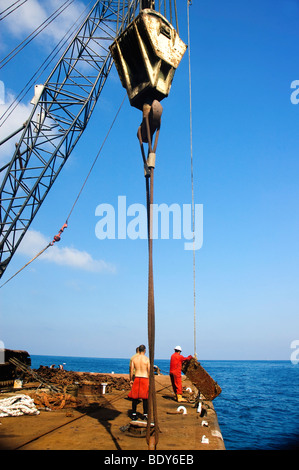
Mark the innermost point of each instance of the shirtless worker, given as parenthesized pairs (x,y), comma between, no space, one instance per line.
(136,354)
(140,368)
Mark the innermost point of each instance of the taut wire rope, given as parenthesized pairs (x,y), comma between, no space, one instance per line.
(18,6)
(27,264)
(95,160)
(189,2)
(57,237)
(35,33)
(36,76)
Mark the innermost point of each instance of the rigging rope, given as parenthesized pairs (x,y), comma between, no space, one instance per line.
(95,160)
(57,237)
(189,2)
(45,23)
(24,1)
(27,264)
(152,411)
(36,76)
(150,125)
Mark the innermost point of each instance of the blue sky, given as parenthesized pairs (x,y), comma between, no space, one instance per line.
(245,155)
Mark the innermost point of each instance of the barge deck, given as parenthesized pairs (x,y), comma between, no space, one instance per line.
(105,424)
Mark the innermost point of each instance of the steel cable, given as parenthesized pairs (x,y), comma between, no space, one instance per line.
(18,6)
(35,33)
(189,2)
(77,197)
(36,75)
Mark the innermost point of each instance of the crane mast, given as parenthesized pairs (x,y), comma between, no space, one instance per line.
(62,107)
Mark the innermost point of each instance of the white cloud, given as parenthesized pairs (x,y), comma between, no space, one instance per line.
(19,116)
(34,242)
(26,19)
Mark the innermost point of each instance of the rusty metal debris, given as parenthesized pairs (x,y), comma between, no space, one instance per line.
(201,379)
(20,366)
(72,389)
(86,382)
(55,401)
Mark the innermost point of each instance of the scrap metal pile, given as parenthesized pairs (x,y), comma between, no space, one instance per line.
(72,389)
(63,379)
(55,401)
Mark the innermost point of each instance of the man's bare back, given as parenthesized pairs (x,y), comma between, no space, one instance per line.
(141,364)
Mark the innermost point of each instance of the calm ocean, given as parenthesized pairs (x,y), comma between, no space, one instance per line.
(258,408)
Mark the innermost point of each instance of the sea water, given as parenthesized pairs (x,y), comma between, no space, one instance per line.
(258,408)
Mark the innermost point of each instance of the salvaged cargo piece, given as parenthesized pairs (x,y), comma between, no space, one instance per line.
(201,379)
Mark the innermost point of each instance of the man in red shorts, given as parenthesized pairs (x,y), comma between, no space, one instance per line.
(140,367)
(175,372)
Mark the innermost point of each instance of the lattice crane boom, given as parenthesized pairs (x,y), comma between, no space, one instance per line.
(62,107)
